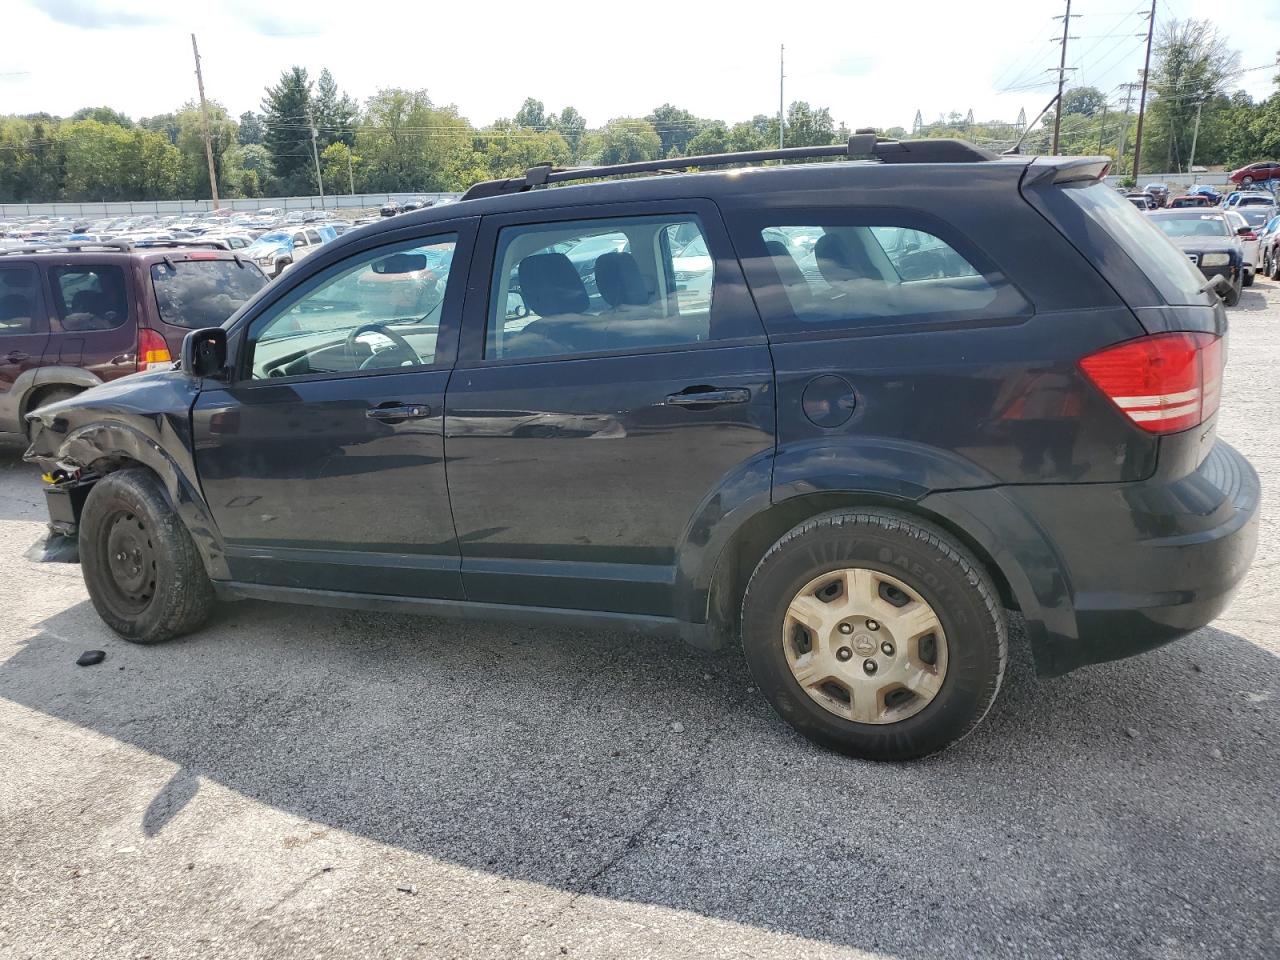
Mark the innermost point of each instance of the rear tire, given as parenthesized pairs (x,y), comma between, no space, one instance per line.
(1248,279)
(141,567)
(839,621)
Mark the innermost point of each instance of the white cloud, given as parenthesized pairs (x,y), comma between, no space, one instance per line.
(871,63)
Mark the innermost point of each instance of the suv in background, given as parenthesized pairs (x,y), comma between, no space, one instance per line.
(76,316)
(891,399)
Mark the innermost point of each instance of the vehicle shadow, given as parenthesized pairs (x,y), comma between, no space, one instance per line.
(1251,300)
(1118,809)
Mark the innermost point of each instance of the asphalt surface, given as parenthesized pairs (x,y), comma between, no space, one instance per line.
(300,782)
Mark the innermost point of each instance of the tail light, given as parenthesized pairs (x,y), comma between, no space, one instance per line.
(152,350)
(1163,383)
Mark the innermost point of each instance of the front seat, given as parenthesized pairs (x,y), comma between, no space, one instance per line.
(553,290)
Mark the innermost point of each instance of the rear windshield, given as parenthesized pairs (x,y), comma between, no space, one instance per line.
(1196,225)
(203,293)
(1165,265)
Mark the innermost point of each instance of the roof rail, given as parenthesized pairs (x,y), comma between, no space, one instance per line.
(76,246)
(864,143)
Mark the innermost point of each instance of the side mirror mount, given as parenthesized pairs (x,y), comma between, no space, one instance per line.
(204,352)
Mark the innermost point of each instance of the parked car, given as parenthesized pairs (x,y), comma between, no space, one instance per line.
(76,316)
(1159,192)
(390,208)
(1189,200)
(1256,173)
(1269,247)
(1248,198)
(1143,201)
(1000,390)
(1210,243)
(1244,232)
(276,252)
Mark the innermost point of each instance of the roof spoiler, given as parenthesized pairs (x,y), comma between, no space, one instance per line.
(1047,170)
(864,143)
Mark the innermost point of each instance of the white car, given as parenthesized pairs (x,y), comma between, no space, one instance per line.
(1247,234)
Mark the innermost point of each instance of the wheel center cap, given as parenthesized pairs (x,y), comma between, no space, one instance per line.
(864,644)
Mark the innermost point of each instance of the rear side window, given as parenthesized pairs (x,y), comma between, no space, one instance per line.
(837,270)
(611,285)
(90,297)
(1166,266)
(17,300)
(203,293)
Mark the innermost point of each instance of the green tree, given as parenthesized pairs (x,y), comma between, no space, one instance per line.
(165,123)
(571,125)
(809,126)
(675,128)
(103,115)
(334,113)
(532,115)
(628,140)
(250,131)
(222,136)
(339,165)
(288,134)
(1085,101)
(1193,65)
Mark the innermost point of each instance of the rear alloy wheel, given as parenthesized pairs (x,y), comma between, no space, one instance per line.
(875,633)
(864,646)
(142,570)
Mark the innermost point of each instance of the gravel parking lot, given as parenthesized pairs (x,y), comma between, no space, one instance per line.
(302,782)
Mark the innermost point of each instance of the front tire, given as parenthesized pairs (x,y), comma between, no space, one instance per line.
(142,570)
(875,634)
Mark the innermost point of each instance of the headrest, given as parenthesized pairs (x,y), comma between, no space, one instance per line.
(619,280)
(840,261)
(550,285)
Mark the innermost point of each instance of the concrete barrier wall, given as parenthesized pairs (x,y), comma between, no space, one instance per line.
(127,208)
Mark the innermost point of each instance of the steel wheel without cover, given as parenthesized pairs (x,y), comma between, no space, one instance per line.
(131,560)
(865,646)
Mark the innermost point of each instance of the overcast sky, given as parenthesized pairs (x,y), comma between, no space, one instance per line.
(871,63)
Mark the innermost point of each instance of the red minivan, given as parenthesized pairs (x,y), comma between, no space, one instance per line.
(75,316)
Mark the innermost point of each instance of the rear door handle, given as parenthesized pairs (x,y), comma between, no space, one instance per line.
(17,356)
(708,397)
(396,412)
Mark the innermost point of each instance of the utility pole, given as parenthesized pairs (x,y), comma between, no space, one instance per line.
(204,123)
(1142,101)
(315,152)
(1195,135)
(1124,127)
(1062,77)
(782,51)
(351,176)
(1102,125)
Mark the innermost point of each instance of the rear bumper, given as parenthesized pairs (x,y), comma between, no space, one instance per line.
(1106,571)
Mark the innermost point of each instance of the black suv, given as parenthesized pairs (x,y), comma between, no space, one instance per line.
(848,411)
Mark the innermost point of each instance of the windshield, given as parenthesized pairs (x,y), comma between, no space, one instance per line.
(1255,217)
(1165,265)
(203,293)
(1202,225)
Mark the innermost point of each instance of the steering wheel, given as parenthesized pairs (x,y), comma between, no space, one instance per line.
(401,348)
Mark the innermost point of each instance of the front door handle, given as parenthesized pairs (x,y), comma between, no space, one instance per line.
(17,356)
(708,396)
(397,412)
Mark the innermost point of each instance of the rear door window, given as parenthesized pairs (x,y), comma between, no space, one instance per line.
(837,270)
(90,296)
(203,293)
